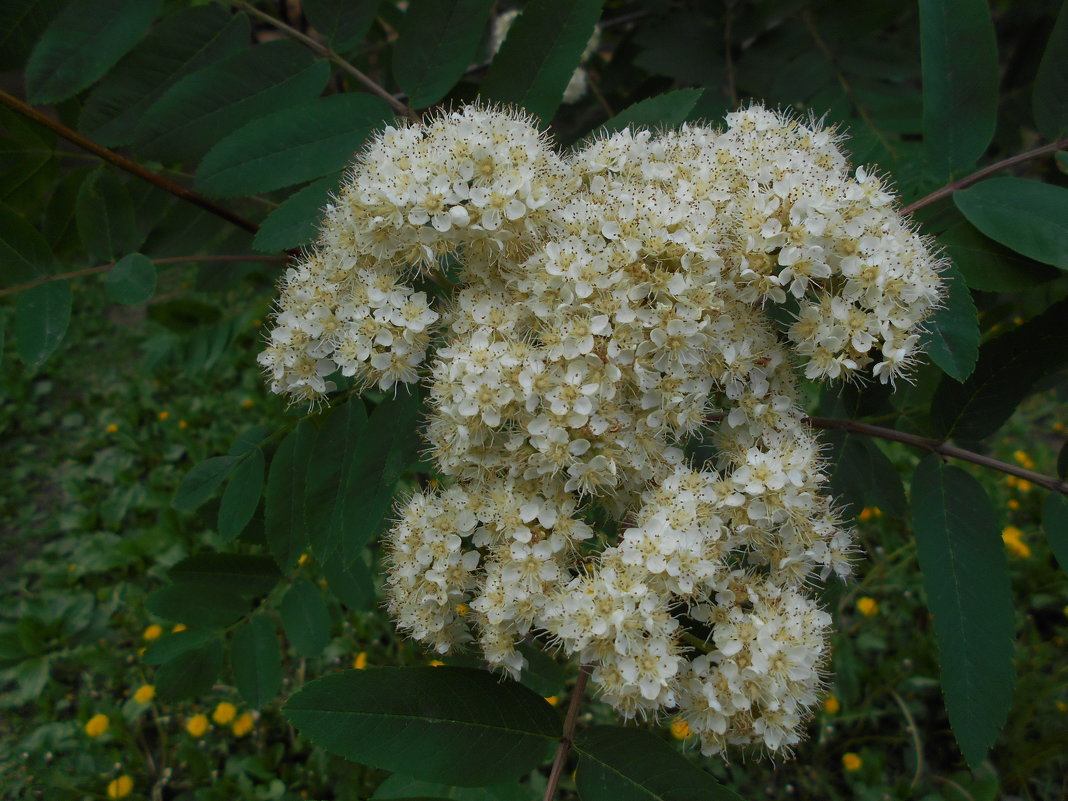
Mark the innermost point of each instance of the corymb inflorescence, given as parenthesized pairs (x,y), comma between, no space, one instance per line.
(609,306)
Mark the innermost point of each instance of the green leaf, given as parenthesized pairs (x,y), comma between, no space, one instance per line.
(966,579)
(331,496)
(239,574)
(83,42)
(388,449)
(200,483)
(292,146)
(543,674)
(60,227)
(24,253)
(305,618)
(668,110)
(257,661)
(132,280)
(989,267)
(437,42)
(287,536)
(248,440)
(343,23)
(1008,367)
(542,50)
(350,581)
(1029,217)
(215,101)
(1050,96)
(178,46)
(241,497)
(170,646)
(1055,524)
(42,314)
(960,82)
(21,24)
(429,723)
(296,221)
(191,674)
(105,216)
(862,475)
(209,607)
(404,787)
(617,764)
(952,337)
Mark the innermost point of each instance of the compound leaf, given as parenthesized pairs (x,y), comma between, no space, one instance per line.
(966,579)
(428,722)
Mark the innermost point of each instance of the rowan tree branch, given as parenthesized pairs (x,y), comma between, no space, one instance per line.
(934,446)
(327,53)
(978,175)
(103,268)
(124,163)
(567,739)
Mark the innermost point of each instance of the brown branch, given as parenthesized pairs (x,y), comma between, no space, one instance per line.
(103,268)
(942,449)
(327,53)
(932,445)
(124,163)
(978,175)
(569,730)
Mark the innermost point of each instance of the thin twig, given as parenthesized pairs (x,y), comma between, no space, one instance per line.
(103,268)
(728,57)
(327,53)
(862,110)
(978,175)
(124,163)
(915,734)
(932,445)
(941,448)
(569,730)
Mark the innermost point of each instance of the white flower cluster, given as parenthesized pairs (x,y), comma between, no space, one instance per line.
(609,305)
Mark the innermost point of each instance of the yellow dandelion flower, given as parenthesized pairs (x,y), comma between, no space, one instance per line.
(111,428)
(435,663)
(1023,485)
(868,607)
(182,424)
(553,700)
(303,559)
(1024,460)
(1013,504)
(852,762)
(831,704)
(153,632)
(680,729)
(1013,539)
(163,415)
(178,627)
(97,725)
(145,693)
(243,724)
(224,713)
(120,787)
(869,512)
(197,725)
(360,662)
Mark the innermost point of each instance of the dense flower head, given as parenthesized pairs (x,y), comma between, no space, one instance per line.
(603,309)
